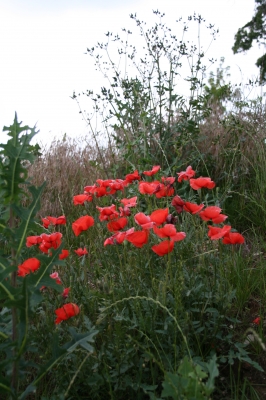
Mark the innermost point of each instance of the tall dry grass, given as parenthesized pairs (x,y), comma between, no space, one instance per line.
(67,166)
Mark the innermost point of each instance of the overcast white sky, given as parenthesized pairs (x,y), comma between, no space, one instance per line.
(43,45)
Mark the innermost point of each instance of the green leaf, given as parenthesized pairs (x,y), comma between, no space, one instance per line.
(81,339)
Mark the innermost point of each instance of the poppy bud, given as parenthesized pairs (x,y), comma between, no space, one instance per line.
(171,219)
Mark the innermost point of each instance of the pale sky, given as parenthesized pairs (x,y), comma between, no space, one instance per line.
(43,45)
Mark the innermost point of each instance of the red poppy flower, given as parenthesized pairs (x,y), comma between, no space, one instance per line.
(101,191)
(256,321)
(65,292)
(107,213)
(213,213)
(148,187)
(178,204)
(118,237)
(55,276)
(117,224)
(159,216)
(64,254)
(29,265)
(163,248)
(116,184)
(141,218)
(32,240)
(169,231)
(164,191)
(153,171)
(82,224)
(186,175)
(90,189)
(216,233)
(168,180)
(233,238)
(193,208)
(81,198)
(124,212)
(47,221)
(201,182)
(81,252)
(138,238)
(132,202)
(132,177)
(67,311)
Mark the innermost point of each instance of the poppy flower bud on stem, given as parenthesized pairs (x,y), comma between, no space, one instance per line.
(171,219)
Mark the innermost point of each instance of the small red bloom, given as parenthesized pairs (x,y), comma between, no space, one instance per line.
(108,213)
(138,238)
(153,171)
(201,182)
(169,180)
(213,213)
(192,207)
(117,224)
(124,212)
(148,187)
(256,321)
(90,189)
(32,240)
(163,248)
(55,276)
(132,202)
(29,265)
(117,184)
(233,238)
(81,252)
(65,292)
(159,216)
(82,224)
(216,233)
(101,191)
(64,254)
(178,204)
(186,175)
(118,237)
(164,191)
(140,218)
(67,311)
(81,198)
(132,177)
(169,231)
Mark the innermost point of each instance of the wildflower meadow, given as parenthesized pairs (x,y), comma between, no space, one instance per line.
(136,270)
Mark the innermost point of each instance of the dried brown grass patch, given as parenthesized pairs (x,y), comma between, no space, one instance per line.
(67,166)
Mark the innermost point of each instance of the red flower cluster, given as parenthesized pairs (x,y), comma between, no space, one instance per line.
(45,241)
